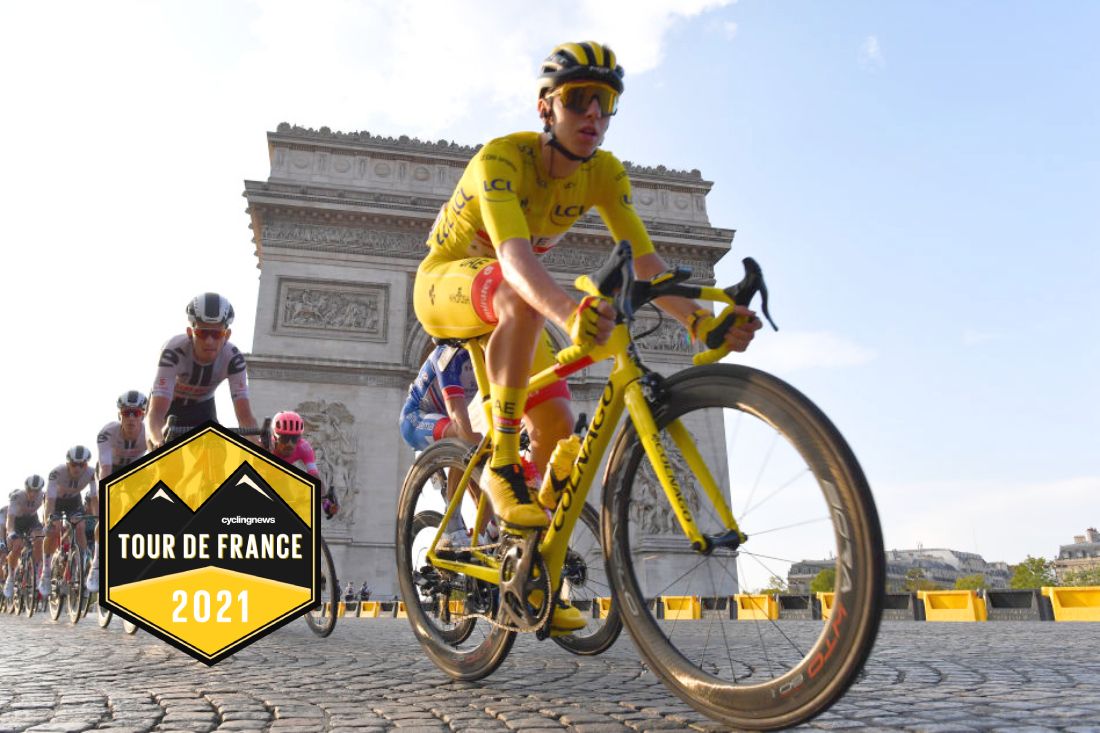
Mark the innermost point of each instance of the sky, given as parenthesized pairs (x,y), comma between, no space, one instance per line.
(920,183)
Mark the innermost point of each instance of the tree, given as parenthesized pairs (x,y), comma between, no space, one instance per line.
(1033,572)
(915,580)
(775,585)
(1085,576)
(824,582)
(976,581)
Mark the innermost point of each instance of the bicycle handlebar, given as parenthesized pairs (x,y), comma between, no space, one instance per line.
(172,430)
(615,281)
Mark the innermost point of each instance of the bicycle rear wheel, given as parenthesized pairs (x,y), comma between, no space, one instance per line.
(761,671)
(439,603)
(584,583)
(322,617)
(103,615)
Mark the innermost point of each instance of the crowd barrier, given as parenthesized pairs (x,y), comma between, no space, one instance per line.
(1074,603)
(1045,604)
(953,605)
(1017,605)
(902,607)
(682,608)
(798,607)
(717,607)
(759,606)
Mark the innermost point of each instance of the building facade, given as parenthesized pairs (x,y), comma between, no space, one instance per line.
(1082,555)
(339,228)
(938,565)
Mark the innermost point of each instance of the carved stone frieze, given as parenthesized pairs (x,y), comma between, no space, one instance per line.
(650,508)
(331,430)
(670,337)
(332,309)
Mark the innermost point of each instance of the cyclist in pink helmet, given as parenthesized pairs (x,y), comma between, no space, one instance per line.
(287,428)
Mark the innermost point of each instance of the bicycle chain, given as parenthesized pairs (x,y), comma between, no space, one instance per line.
(492,621)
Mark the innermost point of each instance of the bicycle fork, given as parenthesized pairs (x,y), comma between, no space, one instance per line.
(638,407)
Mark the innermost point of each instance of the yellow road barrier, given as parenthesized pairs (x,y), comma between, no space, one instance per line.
(953,605)
(756,606)
(1074,603)
(604,606)
(682,608)
(826,600)
(369,609)
(402,612)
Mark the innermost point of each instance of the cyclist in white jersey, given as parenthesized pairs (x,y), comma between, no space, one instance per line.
(119,443)
(22,518)
(191,367)
(66,482)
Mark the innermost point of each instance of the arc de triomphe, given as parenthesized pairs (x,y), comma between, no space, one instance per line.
(340,227)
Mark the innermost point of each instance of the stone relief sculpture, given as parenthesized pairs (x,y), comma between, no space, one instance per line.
(331,309)
(330,429)
(650,511)
(670,337)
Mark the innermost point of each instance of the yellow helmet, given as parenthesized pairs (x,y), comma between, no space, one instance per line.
(584,61)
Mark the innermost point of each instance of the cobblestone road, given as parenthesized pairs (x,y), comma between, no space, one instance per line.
(371,675)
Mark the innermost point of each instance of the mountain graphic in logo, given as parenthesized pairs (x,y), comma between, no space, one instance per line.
(244,526)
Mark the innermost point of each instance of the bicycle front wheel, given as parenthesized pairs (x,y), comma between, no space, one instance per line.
(322,617)
(31,572)
(75,592)
(797,491)
(440,603)
(57,587)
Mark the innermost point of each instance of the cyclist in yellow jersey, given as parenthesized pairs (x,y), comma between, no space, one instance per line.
(517,197)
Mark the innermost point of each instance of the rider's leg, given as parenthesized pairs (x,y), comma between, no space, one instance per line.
(92,584)
(547,423)
(508,358)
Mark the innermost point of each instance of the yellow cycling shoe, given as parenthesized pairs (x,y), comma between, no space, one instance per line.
(511,499)
(566,619)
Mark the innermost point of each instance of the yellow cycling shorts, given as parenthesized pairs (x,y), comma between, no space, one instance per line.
(454,299)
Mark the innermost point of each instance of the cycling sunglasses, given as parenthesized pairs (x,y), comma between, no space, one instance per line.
(576,96)
(292,439)
(209,333)
(131,412)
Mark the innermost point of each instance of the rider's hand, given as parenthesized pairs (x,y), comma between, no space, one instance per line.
(737,336)
(329,505)
(591,322)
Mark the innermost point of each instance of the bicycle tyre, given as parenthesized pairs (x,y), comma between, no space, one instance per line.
(430,520)
(474,659)
(55,599)
(129,627)
(319,621)
(822,673)
(103,615)
(605,630)
(30,587)
(75,592)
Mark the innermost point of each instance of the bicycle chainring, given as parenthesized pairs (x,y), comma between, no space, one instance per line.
(523,572)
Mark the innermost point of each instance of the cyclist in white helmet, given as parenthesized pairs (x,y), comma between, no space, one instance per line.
(66,482)
(120,443)
(191,367)
(22,518)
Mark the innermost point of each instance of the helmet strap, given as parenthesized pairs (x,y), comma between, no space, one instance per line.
(556,144)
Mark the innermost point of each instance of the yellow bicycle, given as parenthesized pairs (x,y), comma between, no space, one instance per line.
(724,480)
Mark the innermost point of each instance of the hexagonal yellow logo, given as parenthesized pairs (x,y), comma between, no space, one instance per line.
(209,543)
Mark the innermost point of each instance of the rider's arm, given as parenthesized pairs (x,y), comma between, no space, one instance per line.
(459,413)
(237,376)
(617,210)
(158,413)
(106,457)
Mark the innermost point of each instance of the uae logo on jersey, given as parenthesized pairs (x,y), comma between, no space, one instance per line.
(209,543)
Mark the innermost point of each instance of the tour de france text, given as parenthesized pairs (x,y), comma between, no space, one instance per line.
(203,546)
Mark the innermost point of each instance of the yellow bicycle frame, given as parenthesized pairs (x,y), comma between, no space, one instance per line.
(623,389)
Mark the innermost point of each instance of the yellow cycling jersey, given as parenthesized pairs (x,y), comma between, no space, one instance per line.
(505,192)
